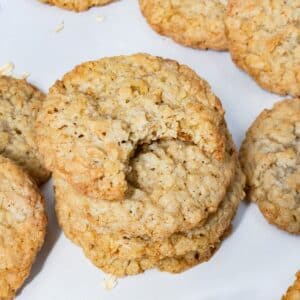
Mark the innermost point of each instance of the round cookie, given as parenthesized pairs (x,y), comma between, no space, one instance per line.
(95,119)
(270,157)
(293,293)
(264,40)
(22,227)
(19,105)
(122,255)
(194,23)
(76,5)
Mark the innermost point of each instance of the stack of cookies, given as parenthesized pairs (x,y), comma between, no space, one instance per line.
(145,171)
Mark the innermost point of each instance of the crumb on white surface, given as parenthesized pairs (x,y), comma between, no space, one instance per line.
(7,69)
(60,27)
(110,282)
(99,19)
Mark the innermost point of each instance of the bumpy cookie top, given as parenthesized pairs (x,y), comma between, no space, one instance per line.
(264,40)
(97,116)
(77,5)
(22,226)
(293,293)
(194,23)
(173,186)
(123,255)
(19,105)
(270,157)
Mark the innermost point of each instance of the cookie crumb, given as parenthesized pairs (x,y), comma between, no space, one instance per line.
(99,19)
(7,69)
(110,282)
(60,27)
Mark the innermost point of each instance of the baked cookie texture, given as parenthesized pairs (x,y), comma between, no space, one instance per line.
(270,157)
(194,23)
(19,105)
(293,293)
(76,5)
(121,255)
(94,119)
(264,40)
(22,227)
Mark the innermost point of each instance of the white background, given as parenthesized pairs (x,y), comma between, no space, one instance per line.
(257,261)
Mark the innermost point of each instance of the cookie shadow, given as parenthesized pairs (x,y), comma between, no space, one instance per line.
(239,217)
(53,233)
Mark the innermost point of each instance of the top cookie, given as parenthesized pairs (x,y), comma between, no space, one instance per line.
(19,105)
(264,40)
(270,157)
(95,119)
(22,227)
(194,23)
(77,5)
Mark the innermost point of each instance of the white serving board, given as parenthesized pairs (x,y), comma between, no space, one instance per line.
(257,262)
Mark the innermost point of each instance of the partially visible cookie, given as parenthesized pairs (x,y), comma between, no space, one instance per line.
(270,157)
(123,255)
(293,293)
(19,105)
(22,227)
(76,5)
(194,23)
(264,40)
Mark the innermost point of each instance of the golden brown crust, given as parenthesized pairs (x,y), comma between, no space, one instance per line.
(22,227)
(19,105)
(264,40)
(123,255)
(293,293)
(97,116)
(270,157)
(76,5)
(194,23)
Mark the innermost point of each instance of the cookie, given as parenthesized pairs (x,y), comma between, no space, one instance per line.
(270,157)
(194,23)
(123,255)
(264,40)
(293,293)
(19,105)
(22,226)
(95,119)
(76,5)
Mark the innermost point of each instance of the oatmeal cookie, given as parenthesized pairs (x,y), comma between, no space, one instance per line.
(19,105)
(270,157)
(194,23)
(264,40)
(22,227)
(293,293)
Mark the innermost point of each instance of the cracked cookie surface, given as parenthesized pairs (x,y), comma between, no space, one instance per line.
(264,40)
(76,5)
(122,255)
(19,105)
(270,157)
(105,113)
(194,23)
(22,227)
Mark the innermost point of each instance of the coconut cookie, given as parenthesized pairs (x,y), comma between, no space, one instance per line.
(19,105)
(124,255)
(270,156)
(194,23)
(76,5)
(22,227)
(264,40)
(96,118)
(293,293)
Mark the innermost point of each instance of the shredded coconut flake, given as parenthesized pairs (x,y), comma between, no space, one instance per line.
(7,69)
(110,282)
(23,76)
(99,19)
(60,27)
